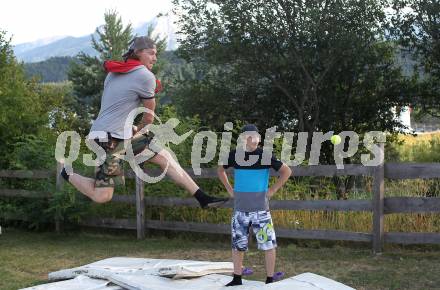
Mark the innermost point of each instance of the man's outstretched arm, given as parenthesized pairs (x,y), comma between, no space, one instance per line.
(148,117)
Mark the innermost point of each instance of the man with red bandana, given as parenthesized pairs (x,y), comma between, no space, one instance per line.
(130,83)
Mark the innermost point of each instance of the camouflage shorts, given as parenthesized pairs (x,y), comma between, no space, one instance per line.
(111,172)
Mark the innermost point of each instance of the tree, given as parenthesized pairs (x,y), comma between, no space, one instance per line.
(53,69)
(113,37)
(25,109)
(88,75)
(417,27)
(19,104)
(303,65)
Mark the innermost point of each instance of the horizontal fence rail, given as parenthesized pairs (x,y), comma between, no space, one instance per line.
(392,171)
(23,193)
(412,238)
(412,170)
(28,174)
(392,205)
(225,229)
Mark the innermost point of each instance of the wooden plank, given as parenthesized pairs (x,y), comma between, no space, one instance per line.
(323,235)
(59,178)
(206,173)
(157,201)
(392,171)
(226,230)
(314,170)
(411,204)
(59,187)
(23,193)
(129,224)
(190,227)
(148,216)
(140,209)
(176,201)
(378,204)
(331,170)
(327,205)
(31,174)
(118,198)
(412,238)
(412,170)
(280,232)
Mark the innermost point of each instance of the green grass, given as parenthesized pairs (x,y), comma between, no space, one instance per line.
(27,257)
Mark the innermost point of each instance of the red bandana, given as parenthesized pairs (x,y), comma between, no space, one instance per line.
(126,66)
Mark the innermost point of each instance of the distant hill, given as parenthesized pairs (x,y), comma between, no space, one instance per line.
(68,46)
(20,48)
(53,69)
(44,49)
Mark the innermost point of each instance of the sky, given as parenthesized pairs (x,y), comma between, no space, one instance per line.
(27,20)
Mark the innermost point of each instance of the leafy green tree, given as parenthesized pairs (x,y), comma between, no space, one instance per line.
(113,37)
(417,26)
(22,110)
(303,65)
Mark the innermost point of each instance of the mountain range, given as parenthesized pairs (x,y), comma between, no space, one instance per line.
(61,46)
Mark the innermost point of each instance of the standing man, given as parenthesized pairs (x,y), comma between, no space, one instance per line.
(129,84)
(251,195)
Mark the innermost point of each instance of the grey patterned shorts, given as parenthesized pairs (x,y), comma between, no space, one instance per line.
(262,225)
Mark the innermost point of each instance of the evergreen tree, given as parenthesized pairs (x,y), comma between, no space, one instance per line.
(88,75)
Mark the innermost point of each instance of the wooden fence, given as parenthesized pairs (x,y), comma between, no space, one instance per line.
(379,205)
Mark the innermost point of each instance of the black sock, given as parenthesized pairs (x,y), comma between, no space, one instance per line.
(205,199)
(269,280)
(202,197)
(64,174)
(235,281)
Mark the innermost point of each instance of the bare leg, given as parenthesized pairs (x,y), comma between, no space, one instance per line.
(175,171)
(87,187)
(269,256)
(237,259)
(180,177)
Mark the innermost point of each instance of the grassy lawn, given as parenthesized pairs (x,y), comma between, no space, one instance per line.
(27,257)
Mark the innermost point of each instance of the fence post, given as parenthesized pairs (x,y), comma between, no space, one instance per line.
(148,213)
(378,203)
(140,209)
(59,187)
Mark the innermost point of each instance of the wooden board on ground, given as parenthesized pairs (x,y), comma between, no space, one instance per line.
(197,269)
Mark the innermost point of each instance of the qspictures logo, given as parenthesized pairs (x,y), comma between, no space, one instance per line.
(205,144)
